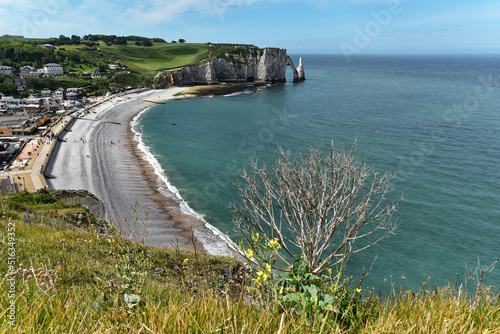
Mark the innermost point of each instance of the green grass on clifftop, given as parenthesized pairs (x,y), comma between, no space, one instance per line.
(161,56)
(149,60)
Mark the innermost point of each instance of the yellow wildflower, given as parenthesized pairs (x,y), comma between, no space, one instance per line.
(249,253)
(256,238)
(274,244)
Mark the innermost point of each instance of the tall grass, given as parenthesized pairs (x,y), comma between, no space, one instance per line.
(93,279)
(441,311)
(163,311)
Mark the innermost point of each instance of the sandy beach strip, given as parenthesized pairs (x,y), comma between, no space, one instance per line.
(101,156)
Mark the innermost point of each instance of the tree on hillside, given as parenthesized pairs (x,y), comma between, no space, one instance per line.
(63,40)
(8,88)
(109,39)
(75,39)
(182,40)
(326,207)
(120,41)
(92,38)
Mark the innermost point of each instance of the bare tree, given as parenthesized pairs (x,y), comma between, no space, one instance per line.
(319,204)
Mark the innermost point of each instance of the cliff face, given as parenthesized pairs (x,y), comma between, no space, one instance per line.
(268,65)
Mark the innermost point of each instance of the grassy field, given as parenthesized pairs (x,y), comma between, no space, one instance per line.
(149,60)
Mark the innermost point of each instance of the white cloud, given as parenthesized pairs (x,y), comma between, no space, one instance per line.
(154,11)
(41,18)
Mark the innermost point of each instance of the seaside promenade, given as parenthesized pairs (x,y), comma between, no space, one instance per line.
(27,171)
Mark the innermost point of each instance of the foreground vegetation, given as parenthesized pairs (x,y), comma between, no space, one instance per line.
(94,279)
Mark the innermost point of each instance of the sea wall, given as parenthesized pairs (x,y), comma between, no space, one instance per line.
(249,65)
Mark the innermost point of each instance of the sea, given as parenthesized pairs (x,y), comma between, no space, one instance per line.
(432,120)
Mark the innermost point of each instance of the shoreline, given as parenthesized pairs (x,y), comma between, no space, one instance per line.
(162,201)
(100,156)
(219,89)
(110,161)
(213,241)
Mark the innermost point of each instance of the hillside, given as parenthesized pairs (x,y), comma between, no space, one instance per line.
(138,63)
(65,271)
(146,61)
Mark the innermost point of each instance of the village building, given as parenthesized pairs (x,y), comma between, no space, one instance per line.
(96,74)
(26,128)
(114,67)
(59,93)
(6,70)
(11,105)
(51,103)
(75,93)
(34,109)
(47,46)
(5,132)
(29,71)
(21,84)
(72,96)
(52,69)
(8,104)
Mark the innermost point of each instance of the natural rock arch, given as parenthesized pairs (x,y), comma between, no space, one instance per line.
(296,77)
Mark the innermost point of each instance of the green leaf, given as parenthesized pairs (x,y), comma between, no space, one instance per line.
(312,290)
(300,267)
(131,299)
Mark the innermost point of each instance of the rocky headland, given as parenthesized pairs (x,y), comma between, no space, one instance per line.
(245,65)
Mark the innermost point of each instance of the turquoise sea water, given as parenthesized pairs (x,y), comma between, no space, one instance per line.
(434,120)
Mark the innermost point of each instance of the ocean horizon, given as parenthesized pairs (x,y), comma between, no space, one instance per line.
(433,120)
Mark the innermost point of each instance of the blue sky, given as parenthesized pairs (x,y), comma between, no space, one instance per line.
(301,26)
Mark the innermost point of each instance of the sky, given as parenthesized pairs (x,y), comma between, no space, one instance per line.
(300,26)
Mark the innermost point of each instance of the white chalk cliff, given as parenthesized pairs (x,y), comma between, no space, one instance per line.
(249,65)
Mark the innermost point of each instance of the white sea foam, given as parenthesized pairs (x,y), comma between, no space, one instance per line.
(243,92)
(233,94)
(214,241)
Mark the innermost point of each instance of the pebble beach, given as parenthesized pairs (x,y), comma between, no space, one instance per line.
(99,154)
